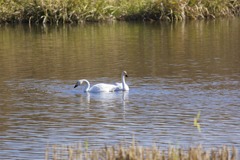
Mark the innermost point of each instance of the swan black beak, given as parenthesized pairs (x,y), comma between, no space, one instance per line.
(126,75)
(75,86)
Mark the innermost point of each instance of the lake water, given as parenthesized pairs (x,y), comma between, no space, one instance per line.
(175,70)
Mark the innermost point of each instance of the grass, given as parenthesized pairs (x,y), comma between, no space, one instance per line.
(136,152)
(78,11)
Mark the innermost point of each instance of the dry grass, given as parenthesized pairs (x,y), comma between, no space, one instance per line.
(76,11)
(136,152)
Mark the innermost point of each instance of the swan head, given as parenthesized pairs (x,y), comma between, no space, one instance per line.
(79,82)
(124,73)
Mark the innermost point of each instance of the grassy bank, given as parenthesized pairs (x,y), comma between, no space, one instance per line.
(76,11)
(136,152)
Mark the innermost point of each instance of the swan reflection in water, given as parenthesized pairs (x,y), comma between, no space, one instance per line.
(84,98)
(112,106)
(110,99)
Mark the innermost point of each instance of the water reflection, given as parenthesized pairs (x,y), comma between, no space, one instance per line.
(110,98)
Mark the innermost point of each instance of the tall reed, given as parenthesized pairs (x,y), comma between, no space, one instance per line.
(76,11)
(136,152)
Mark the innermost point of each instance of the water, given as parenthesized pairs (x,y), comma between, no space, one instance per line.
(175,70)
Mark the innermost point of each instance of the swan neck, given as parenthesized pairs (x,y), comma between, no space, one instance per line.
(86,89)
(123,81)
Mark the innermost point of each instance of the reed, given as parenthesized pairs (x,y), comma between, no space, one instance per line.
(77,11)
(136,152)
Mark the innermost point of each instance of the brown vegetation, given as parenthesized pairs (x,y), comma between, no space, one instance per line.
(136,152)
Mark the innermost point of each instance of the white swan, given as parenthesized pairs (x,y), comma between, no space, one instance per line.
(122,86)
(101,87)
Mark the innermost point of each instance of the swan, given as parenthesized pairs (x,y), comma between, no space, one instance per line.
(122,86)
(101,87)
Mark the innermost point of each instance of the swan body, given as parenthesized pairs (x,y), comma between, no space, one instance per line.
(101,87)
(122,86)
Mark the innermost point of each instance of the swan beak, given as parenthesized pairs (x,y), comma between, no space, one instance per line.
(75,86)
(126,75)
